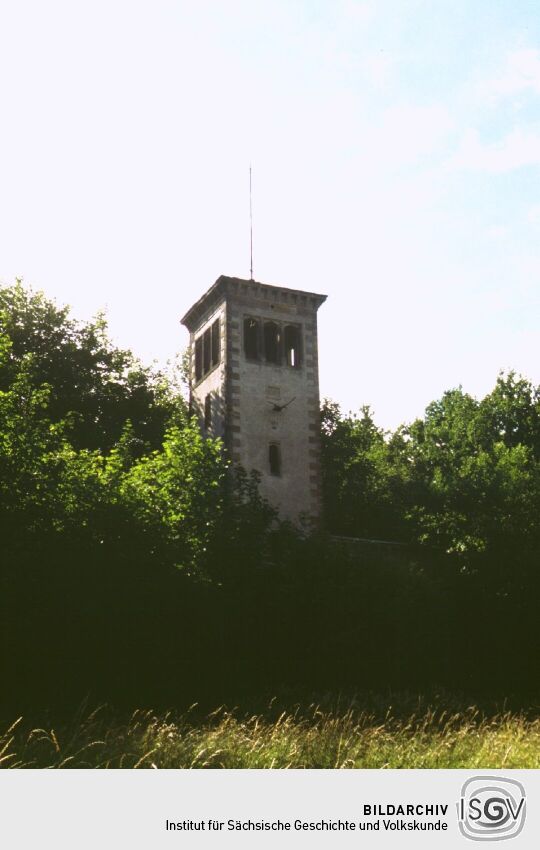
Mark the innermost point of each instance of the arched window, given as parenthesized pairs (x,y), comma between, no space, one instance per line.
(251,338)
(292,346)
(272,342)
(207,350)
(215,343)
(274,459)
(198,358)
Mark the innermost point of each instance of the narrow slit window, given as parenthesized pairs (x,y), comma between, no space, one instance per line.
(208,411)
(251,339)
(292,346)
(215,343)
(272,342)
(207,350)
(198,358)
(274,459)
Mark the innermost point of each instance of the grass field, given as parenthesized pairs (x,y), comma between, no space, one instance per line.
(313,736)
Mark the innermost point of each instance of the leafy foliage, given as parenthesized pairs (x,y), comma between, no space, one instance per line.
(363,476)
(93,386)
(79,420)
(465,478)
(137,568)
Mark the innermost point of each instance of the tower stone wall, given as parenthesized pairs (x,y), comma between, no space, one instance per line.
(260,393)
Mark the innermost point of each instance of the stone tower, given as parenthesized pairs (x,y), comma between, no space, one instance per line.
(255,384)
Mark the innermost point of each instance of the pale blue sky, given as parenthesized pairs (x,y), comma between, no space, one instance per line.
(396,156)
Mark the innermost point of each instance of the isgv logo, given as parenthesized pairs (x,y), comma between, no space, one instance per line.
(491,808)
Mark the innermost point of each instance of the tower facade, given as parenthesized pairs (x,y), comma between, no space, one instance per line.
(255,384)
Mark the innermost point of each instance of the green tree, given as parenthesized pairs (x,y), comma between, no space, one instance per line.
(93,386)
(361,485)
(464,478)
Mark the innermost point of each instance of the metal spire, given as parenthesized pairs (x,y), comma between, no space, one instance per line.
(250,228)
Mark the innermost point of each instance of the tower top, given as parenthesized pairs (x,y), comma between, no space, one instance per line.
(239,288)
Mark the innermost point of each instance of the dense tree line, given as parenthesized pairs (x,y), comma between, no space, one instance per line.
(137,568)
(465,478)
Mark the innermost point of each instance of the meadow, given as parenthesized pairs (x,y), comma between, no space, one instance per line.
(352,735)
